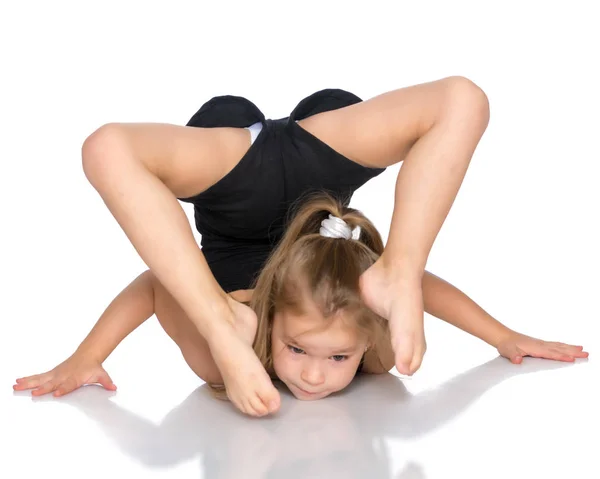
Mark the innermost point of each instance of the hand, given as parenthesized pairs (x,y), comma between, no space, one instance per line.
(517,345)
(66,377)
(400,301)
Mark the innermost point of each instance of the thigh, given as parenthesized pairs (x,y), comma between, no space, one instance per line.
(180,328)
(187,159)
(380,131)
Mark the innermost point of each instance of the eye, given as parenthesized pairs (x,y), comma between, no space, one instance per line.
(338,358)
(294,349)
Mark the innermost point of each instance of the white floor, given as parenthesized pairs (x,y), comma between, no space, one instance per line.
(521,239)
(469,414)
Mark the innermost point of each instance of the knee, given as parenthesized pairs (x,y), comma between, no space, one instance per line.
(98,150)
(465,97)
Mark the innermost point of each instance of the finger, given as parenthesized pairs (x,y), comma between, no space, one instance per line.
(542,353)
(573,353)
(516,355)
(24,385)
(572,350)
(106,382)
(27,378)
(44,388)
(560,356)
(30,382)
(66,387)
(567,345)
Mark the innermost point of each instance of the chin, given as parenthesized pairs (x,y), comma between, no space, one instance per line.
(301,398)
(306,396)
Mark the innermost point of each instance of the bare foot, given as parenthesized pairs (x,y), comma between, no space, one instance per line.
(249,387)
(407,329)
(400,301)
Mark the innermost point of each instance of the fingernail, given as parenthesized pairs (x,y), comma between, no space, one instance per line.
(272,405)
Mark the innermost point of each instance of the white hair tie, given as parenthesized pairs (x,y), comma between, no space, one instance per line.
(334,227)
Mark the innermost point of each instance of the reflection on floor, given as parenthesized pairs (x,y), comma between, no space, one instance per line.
(468,426)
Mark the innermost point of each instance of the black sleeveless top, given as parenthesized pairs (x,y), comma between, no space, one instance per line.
(242,217)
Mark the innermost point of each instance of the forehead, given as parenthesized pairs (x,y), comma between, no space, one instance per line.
(312,324)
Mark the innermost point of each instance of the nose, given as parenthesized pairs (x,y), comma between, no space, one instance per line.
(312,374)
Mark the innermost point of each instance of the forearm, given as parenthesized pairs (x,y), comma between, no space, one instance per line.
(133,306)
(444,301)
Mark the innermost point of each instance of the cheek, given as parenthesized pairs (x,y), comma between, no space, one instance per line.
(342,376)
(283,365)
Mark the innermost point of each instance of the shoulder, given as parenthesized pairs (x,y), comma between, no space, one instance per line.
(378,360)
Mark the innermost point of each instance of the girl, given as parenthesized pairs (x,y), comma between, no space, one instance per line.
(318,301)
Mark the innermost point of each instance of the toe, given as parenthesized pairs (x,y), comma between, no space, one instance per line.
(271,399)
(257,406)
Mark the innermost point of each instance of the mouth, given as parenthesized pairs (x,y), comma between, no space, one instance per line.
(305,392)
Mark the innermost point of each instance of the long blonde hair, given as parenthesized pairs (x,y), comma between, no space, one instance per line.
(327,270)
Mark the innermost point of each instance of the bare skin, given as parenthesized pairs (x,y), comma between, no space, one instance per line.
(145,297)
(139,170)
(434,128)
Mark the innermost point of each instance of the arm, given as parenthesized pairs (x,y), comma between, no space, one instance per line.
(132,306)
(125,313)
(448,303)
(444,301)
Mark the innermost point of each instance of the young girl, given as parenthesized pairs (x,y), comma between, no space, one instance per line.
(319,300)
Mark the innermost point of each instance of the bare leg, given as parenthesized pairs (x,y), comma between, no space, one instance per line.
(430,178)
(426,188)
(434,127)
(130,166)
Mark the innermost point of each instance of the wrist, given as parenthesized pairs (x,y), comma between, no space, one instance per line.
(91,352)
(500,335)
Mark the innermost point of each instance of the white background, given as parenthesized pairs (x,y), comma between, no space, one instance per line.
(521,239)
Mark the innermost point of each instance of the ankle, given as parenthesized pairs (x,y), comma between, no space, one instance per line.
(400,272)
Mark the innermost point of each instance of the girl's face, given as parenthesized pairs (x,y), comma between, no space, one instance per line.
(314,363)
